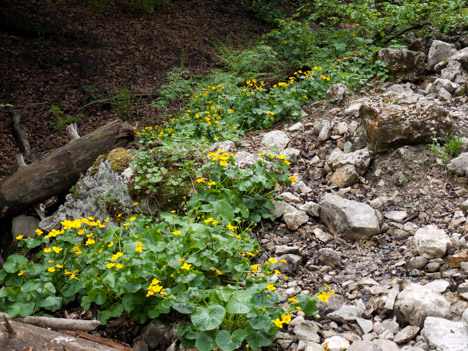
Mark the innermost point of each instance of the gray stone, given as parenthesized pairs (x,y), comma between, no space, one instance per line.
(344,176)
(444,95)
(445,84)
(322,236)
(24,225)
(345,314)
(301,187)
(336,343)
(295,219)
(280,206)
(465,316)
(453,71)
(396,216)
(464,205)
(329,257)
(334,303)
(457,220)
(292,263)
(366,325)
(349,218)
(459,164)
(342,128)
(336,94)
(311,346)
(386,345)
(444,335)
(360,159)
(390,121)
(438,285)
(417,262)
(93,190)
(324,133)
(227,146)
(403,64)
(462,57)
(296,127)
(390,325)
(158,335)
(290,197)
(275,140)
(391,298)
(291,154)
(364,346)
(353,108)
(244,159)
(311,208)
(406,334)
(417,302)
(284,249)
(307,331)
(431,242)
(438,52)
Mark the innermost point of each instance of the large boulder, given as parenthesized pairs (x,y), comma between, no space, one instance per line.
(349,218)
(439,52)
(462,57)
(403,64)
(444,335)
(393,120)
(416,302)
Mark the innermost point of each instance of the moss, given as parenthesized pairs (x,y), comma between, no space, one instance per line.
(119,160)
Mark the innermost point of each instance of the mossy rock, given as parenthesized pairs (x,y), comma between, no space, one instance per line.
(119,159)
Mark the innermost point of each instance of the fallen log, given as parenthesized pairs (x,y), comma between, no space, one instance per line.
(55,174)
(57,323)
(20,336)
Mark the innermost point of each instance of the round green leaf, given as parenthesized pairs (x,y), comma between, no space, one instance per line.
(228,342)
(208,318)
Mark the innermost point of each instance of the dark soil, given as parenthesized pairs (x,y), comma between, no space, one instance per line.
(65,53)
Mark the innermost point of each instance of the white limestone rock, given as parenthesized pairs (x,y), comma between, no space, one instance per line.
(275,140)
(438,52)
(417,302)
(360,159)
(445,335)
(295,219)
(431,242)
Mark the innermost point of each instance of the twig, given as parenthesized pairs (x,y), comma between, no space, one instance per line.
(99,340)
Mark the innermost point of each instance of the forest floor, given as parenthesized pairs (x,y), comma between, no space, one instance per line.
(57,54)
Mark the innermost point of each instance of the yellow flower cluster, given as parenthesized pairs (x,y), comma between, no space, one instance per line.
(155,288)
(220,155)
(139,247)
(285,319)
(324,295)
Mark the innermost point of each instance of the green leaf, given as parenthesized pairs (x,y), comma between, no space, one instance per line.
(258,338)
(308,304)
(31,285)
(114,311)
(205,342)
(262,322)
(71,289)
(183,308)
(52,303)
(208,318)
(21,309)
(14,263)
(239,302)
(228,342)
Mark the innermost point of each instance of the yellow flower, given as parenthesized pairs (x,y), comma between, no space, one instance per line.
(293,299)
(56,249)
(186,266)
(20,273)
(223,163)
(271,287)
(181,259)
(106,220)
(19,237)
(278,323)
(219,272)
(47,250)
(173,211)
(286,318)
(200,180)
(323,296)
(254,268)
(210,183)
(59,266)
(277,271)
(284,261)
(139,249)
(116,256)
(215,139)
(298,308)
(118,265)
(292,179)
(51,269)
(90,242)
(135,203)
(208,220)
(110,244)
(110,265)
(176,232)
(39,232)
(132,218)
(272,260)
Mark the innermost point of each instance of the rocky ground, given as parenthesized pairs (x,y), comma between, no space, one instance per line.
(374,214)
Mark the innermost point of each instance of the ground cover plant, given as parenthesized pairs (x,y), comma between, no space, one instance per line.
(198,256)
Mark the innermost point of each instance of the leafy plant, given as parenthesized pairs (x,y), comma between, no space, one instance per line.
(451,147)
(122,100)
(5,105)
(61,121)
(178,87)
(197,263)
(90,92)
